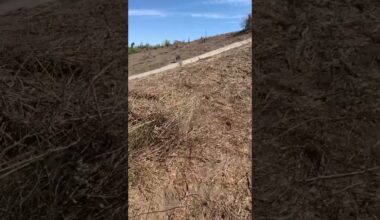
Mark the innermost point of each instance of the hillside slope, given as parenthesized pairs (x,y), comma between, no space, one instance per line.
(189,141)
(83,34)
(150,58)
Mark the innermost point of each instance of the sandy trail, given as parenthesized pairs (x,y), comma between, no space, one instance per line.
(191,60)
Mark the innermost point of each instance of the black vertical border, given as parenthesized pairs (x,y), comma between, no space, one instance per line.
(127,127)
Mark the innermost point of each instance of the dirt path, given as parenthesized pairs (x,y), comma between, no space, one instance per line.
(191,60)
(10,5)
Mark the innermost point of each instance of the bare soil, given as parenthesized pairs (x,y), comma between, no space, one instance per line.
(149,59)
(316,112)
(190,141)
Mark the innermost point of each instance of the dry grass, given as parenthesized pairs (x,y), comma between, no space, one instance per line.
(197,165)
(63,136)
(149,58)
(316,110)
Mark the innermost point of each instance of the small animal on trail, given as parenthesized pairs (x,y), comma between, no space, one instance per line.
(178,59)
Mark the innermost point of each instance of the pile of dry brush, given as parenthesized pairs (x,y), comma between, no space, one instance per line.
(63,111)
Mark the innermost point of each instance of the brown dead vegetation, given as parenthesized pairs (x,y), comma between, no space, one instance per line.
(148,59)
(316,109)
(196,164)
(63,111)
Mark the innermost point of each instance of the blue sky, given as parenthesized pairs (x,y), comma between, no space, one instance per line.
(153,21)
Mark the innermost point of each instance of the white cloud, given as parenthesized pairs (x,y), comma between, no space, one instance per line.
(215,16)
(232,2)
(146,12)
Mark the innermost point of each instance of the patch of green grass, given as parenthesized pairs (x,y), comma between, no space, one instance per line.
(132,50)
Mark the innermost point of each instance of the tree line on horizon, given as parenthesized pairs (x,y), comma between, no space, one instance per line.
(247,25)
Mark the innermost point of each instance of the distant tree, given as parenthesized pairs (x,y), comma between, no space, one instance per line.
(166,43)
(247,23)
(133,44)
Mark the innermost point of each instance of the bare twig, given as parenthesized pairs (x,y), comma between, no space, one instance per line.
(19,165)
(96,101)
(342,175)
(102,71)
